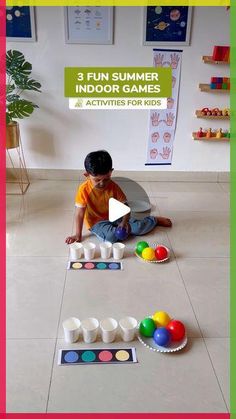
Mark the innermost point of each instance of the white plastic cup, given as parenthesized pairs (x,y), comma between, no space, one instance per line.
(105,248)
(118,250)
(76,250)
(71,328)
(90,329)
(89,250)
(128,326)
(108,328)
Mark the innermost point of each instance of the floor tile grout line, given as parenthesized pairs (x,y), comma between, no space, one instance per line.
(203,338)
(66,256)
(58,325)
(212,364)
(60,338)
(221,187)
(55,346)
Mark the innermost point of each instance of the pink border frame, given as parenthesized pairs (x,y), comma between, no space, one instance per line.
(3,212)
(3,413)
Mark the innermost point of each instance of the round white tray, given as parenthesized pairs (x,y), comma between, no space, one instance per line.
(155,261)
(152,345)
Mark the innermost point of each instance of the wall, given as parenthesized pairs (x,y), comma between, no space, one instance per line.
(55,137)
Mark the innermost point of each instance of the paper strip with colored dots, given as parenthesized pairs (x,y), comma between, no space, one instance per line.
(95,266)
(97,356)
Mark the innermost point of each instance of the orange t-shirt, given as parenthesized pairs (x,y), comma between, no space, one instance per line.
(96,201)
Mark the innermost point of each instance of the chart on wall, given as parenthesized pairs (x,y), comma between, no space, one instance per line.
(162,122)
(89,25)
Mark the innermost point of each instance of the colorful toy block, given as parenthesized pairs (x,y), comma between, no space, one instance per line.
(221,53)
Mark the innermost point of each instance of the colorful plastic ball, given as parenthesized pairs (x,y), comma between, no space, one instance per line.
(161,253)
(161,318)
(176,329)
(162,336)
(121,233)
(147,327)
(140,246)
(148,253)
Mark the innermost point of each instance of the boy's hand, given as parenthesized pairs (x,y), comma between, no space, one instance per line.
(72,239)
(126,226)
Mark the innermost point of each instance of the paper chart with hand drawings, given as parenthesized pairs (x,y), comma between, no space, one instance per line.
(162,122)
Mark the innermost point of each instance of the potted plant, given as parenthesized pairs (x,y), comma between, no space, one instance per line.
(18,81)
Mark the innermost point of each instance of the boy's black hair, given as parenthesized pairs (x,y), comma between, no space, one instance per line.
(98,163)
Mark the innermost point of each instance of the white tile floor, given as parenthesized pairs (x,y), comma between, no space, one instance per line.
(193,286)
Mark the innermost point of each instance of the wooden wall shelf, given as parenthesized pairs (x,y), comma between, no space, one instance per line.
(200,115)
(209,60)
(207,88)
(194,134)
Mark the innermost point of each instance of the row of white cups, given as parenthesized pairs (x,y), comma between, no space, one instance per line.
(108,327)
(88,248)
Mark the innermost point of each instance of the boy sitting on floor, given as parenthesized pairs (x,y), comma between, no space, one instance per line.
(92,203)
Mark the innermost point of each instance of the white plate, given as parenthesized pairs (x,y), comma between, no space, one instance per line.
(152,345)
(139,206)
(155,261)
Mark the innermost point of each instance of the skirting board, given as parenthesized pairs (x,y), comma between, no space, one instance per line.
(139,176)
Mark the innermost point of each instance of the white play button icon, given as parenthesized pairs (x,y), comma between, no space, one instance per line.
(117,209)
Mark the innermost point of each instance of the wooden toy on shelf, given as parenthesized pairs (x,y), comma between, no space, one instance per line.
(226,112)
(220,83)
(219,133)
(217,84)
(214,113)
(212,87)
(207,59)
(200,133)
(221,53)
(209,133)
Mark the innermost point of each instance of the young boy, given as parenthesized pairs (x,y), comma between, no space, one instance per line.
(92,202)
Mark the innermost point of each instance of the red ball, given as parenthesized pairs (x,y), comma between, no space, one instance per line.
(161,253)
(176,329)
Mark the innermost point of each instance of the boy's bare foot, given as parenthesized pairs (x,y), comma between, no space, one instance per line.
(164,222)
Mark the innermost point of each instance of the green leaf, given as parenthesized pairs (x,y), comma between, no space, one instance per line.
(18,80)
(10,88)
(11,98)
(28,84)
(21,109)
(16,64)
(14,58)
(8,117)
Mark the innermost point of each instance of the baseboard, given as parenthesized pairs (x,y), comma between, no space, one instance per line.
(139,176)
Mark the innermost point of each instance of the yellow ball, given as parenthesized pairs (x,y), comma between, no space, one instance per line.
(161,318)
(148,253)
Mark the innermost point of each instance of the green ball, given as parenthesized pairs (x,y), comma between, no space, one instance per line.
(147,327)
(140,246)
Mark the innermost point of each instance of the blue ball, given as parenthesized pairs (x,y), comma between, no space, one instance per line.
(121,233)
(162,336)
